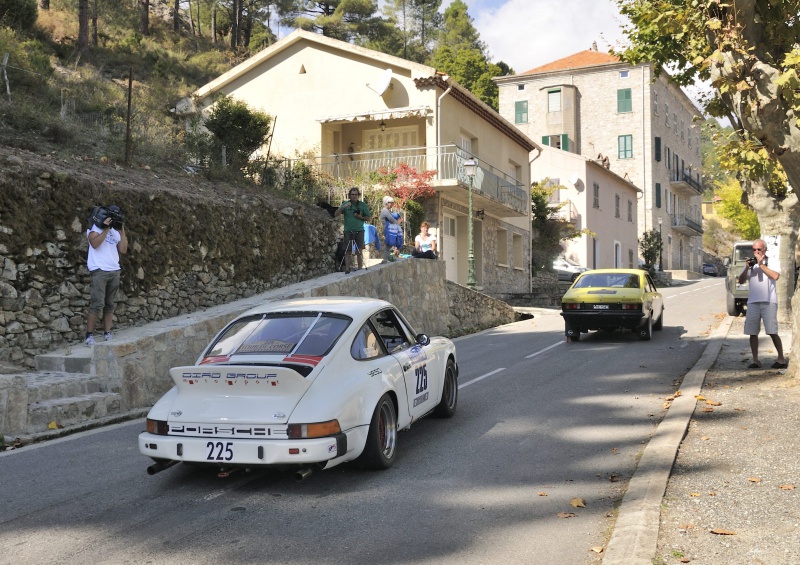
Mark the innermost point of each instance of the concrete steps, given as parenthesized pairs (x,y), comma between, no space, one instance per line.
(77,359)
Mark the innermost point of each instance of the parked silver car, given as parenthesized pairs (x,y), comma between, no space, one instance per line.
(567,270)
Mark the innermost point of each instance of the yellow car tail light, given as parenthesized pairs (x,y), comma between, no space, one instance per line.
(319,429)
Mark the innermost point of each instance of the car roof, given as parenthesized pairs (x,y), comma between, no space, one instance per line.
(620,271)
(354,306)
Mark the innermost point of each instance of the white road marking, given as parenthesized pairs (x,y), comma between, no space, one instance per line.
(545,349)
(475,380)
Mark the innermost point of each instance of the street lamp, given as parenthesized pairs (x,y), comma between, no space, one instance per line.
(470,168)
(660,245)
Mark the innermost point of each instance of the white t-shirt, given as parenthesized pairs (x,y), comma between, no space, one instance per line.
(762,288)
(425,244)
(105,257)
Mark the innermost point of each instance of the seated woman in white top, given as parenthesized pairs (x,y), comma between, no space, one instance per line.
(424,243)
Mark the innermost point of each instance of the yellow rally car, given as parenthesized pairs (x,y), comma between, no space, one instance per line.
(609,299)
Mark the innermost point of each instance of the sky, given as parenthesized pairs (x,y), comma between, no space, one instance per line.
(526,34)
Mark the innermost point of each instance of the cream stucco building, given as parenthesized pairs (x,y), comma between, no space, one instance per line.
(348,110)
(640,125)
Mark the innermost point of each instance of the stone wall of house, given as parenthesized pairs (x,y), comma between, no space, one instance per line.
(187,251)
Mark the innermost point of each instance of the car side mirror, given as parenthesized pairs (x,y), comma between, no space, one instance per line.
(726,261)
(423,339)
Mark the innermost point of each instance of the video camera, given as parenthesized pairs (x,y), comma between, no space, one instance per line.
(101,213)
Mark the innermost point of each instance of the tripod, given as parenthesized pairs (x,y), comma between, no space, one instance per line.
(351,248)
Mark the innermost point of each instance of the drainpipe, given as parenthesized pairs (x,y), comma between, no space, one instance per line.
(530,223)
(439,126)
(644,159)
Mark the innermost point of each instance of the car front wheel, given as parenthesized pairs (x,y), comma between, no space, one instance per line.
(447,406)
(381,447)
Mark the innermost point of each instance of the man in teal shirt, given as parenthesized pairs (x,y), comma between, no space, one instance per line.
(355,213)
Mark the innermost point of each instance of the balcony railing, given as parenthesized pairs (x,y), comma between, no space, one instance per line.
(684,221)
(447,160)
(568,212)
(686,176)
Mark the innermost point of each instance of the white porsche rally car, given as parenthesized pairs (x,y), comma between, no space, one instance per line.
(305,384)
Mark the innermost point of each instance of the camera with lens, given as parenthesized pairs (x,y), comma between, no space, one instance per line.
(101,213)
(751,261)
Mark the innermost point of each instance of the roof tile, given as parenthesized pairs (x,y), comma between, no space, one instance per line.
(576,61)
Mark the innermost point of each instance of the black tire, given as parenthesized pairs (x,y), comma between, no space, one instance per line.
(381,448)
(447,405)
(646,331)
(733,309)
(659,325)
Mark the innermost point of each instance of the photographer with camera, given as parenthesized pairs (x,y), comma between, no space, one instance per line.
(762,303)
(355,214)
(107,239)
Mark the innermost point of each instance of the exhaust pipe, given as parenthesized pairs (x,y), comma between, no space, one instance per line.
(303,474)
(159,466)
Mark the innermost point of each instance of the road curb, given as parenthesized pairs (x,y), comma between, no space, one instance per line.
(634,540)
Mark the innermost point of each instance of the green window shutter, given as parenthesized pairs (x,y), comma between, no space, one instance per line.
(564,142)
(624,100)
(546,140)
(521,112)
(658,195)
(658,149)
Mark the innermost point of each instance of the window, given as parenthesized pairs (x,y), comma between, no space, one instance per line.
(516,244)
(554,100)
(658,195)
(391,331)
(624,74)
(365,345)
(616,205)
(666,114)
(668,159)
(596,201)
(521,112)
(502,247)
(630,258)
(557,141)
(624,101)
(669,202)
(682,130)
(625,146)
(689,137)
(520,87)
(675,122)
(658,148)
(655,103)
(630,211)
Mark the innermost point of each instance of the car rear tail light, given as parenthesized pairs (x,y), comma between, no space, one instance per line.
(158,427)
(631,306)
(571,306)
(319,429)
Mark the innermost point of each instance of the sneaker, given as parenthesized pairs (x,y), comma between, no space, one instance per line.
(107,336)
(89,341)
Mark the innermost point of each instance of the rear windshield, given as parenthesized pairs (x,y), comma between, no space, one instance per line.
(607,280)
(306,333)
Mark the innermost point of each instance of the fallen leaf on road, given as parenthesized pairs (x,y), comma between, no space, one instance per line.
(754,479)
(786,487)
(739,409)
(700,397)
(542,493)
(52,425)
(597,549)
(723,532)
(684,560)
(578,502)
(566,515)
(613,478)
(713,403)
(613,450)
(694,494)
(712,493)
(705,438)
(666,405)
(708,409)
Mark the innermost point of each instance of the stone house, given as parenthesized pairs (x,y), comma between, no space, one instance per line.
(644,127)
(592,196)
(347,111)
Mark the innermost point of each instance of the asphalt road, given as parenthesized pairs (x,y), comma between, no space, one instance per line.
(539,422)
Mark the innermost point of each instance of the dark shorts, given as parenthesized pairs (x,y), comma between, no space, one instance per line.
(103,290)
(353,236)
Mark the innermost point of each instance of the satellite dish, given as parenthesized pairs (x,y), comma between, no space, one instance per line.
(574,179)
(384,83)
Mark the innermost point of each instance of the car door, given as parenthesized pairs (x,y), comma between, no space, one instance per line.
(421,386)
